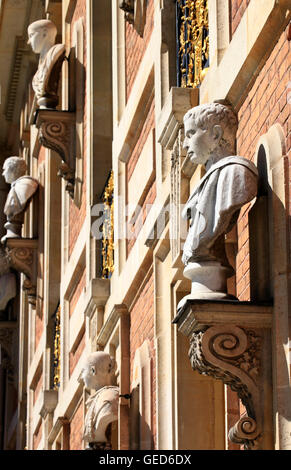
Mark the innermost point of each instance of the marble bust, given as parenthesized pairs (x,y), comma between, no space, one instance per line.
(22,189)
(214,205)
(98,374)
(42,36)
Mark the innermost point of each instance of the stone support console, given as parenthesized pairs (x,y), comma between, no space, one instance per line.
(229,340)
(57,132)
(102,407)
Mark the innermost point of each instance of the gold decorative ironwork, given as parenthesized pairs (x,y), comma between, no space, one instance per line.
(57,349)
(193,40)
(108,229)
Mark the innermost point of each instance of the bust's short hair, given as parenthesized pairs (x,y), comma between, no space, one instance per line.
(43,24)
(216,113)
(18,164)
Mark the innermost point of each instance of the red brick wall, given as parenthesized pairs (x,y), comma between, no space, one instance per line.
(142,328)
(76,429)
(77,215)
(265,105)
(135,46)
(237,9)
(75,354)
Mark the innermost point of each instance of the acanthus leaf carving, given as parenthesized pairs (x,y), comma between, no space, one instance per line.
(57,131)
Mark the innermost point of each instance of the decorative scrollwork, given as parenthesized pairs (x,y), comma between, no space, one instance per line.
(57,132)
(193,40)
(231,354)
(21,259)
(54,135)
(108,229)
(21,256)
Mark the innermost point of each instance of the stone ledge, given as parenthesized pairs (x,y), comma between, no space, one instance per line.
(57,132)
(198,313)
(179,101)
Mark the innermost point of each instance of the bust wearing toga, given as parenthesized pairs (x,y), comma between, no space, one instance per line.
(22,189)
(213,207)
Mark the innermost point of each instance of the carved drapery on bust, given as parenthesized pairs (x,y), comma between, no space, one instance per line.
(42,36)
(98,374)
(213,207)
(22,190)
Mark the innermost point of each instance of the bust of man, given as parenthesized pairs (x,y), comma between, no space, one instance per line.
(42,36)
(213,207)
(22,189)
(98,374)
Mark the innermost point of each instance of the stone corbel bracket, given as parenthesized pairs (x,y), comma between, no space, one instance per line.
(22,256)
(135,13)
(230,341)
(57,132)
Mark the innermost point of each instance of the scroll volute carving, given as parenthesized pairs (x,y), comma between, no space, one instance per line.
(232,354)
(21,255)
(57,132)
(230,341)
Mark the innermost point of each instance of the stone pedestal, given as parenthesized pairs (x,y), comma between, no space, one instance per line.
(208,280)
(231,341)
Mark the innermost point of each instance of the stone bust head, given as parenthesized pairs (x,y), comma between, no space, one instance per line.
(210,131)
(98,370)
(42,36)
(13,169)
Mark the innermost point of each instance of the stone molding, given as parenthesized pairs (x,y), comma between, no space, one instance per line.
(230,341)
(57,132)
(22,255)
